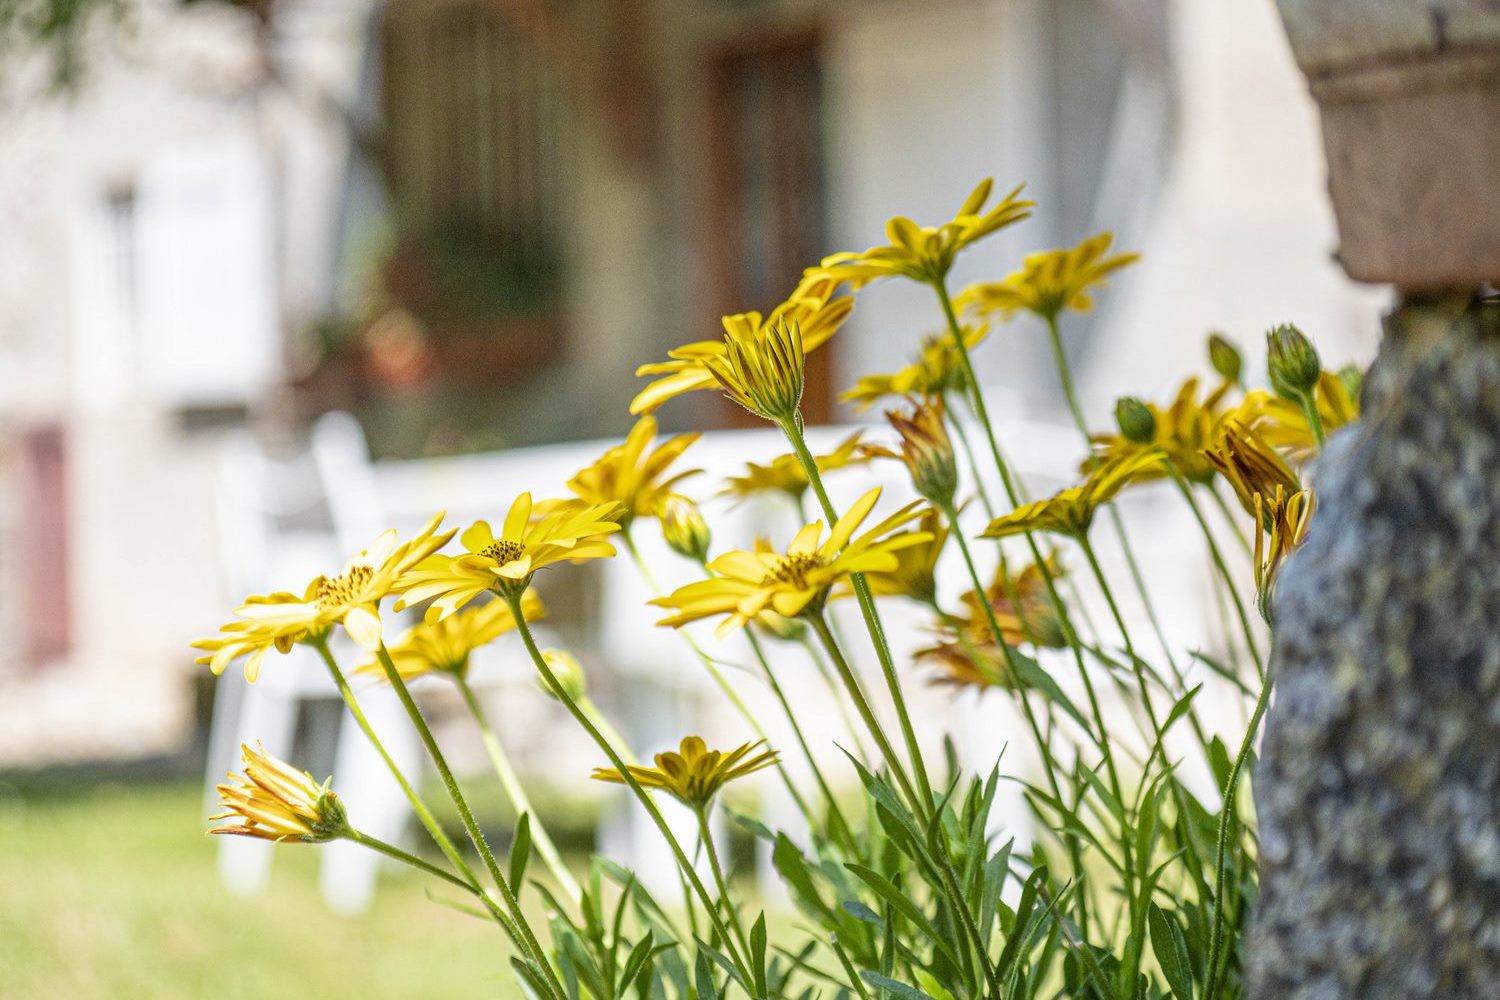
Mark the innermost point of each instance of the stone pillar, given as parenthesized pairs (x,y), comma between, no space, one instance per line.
(1378,791)
(1379,787)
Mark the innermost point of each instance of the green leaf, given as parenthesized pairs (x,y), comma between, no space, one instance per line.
(1033,676)
(634,963)
(1170,947)
(894,986)
(520,851)
(703,978)
(758,954)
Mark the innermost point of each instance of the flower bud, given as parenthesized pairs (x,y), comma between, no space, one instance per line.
(1353,378)
(683,527)
(1225,358)
(272,800)
(1137,422)
(781,627)
(569,674)
(1292,362)
(927,451)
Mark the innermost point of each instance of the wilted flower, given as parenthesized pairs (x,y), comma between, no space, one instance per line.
(926,253)
(1051,281)
(1071,511)
(573,532)
(1281,526)
(969,656)
(1249,464)
(694,774)
(1291,362)
(684,528)
(353,598)
(925,450)
(446,645)
(786,475)
(811,307)
(937,371)
(626,474)
(745,583)
(272,800)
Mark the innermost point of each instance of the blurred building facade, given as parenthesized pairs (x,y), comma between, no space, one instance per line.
(468,220)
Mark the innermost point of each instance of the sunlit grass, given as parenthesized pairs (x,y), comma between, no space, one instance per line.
(111,892)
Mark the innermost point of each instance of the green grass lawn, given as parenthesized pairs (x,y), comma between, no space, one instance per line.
(110,892)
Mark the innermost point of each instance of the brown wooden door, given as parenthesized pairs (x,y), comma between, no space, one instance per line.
(766,217)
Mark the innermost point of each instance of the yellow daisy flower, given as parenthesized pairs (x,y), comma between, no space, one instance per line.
(1283,424)
(351,598)
(446,645)
(1249,464)
(272,800)
(243,638)
(628,475)
(1051,281)
(811,308)
(1182,432)
(936,371)
(763,370)
(694,774)
(745,583)
(926,253)
(1071,511)
(915,573)
(785,473)
(573,532)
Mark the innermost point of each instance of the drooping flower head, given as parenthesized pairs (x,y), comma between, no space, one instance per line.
(785,474)
(926,450)
(272,800)
(936,372)
(1249,464)
(694,774)
(1180,431)
(353,597)
(633,476)
(1071,511)
(1281,527)
(570,531)
(445,646)
(926,253)
(1050,282)
(745,583)
(811,308)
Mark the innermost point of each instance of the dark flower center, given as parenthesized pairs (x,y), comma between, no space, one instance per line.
(793,569)
(503,551)
(340,591)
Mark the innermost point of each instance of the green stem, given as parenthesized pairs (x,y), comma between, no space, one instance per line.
(396,853)
(583,719)
(466,815)
(1014,677)
(719,679)
(510,781)
(1226,820)
(838,826)
(707,839)
(819,625)
(1222,568)
(1309,403)
(833,689)
(922,802)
